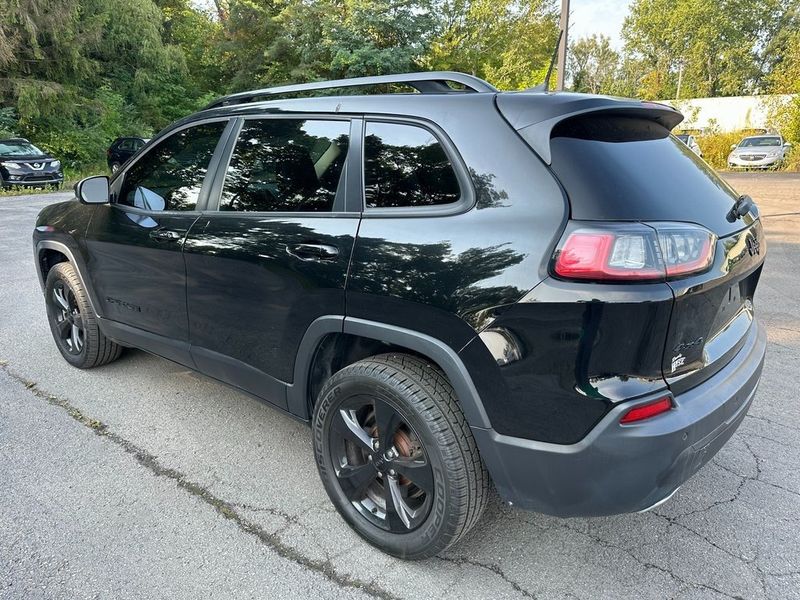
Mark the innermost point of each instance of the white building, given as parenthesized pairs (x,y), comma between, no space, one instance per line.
(731,113)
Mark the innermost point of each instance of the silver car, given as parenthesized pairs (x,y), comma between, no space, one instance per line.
(690,141)
(758,152)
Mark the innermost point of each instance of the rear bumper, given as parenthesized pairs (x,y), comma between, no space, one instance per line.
(628,468)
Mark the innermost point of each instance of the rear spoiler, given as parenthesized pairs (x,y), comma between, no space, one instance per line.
(536,114)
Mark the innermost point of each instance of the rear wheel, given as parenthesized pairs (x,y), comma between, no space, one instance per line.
(72,321)
(397,457)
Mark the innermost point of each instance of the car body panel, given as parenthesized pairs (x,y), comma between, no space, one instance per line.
(543,368)
(628,468)
(140,280)
(250,299)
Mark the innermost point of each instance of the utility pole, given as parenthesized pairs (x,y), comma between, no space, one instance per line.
(562,46)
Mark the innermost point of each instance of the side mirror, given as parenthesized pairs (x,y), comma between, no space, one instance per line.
(93,190)
(733,146)
(787,144)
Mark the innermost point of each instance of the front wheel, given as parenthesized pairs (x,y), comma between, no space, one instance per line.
(72,321)
(397,457)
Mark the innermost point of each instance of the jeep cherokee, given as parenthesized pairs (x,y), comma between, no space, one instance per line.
(453,286)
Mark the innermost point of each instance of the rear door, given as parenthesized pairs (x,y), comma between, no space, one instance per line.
(273,254)
(631,169)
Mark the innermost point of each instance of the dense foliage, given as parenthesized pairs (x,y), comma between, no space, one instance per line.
(704,47)
(74,74)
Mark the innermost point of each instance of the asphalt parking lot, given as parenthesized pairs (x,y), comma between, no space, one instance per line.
(143,480)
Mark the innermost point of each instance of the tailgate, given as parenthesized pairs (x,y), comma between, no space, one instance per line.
(713,311)
(622,165)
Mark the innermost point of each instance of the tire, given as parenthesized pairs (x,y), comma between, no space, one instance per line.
(72,321)
(429,432)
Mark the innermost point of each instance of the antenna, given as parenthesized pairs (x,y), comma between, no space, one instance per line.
(545,85)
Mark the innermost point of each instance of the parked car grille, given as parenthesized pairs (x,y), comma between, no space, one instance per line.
(37,165)
(43,177)
(752,156)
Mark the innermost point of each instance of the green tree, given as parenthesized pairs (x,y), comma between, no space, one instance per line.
(593,65)
(716,47)
(508,42)
(785,79)
(81,72)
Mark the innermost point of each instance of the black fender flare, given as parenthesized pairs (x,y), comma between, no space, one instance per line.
(435,349)
(76,261)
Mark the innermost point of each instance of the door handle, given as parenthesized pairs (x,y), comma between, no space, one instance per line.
(165,235)
(313,251)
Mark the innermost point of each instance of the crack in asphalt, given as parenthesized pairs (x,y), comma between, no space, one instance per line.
(224,508)
(771,422)
(674,521)
(646,564)
(461,560)
(750,562)
(767,438)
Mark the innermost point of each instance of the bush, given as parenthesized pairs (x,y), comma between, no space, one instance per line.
(717,145)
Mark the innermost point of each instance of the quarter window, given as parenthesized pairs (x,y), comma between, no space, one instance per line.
(405,166)
(286,165)
(171,174)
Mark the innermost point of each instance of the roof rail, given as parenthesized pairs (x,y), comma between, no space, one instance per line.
(430,82)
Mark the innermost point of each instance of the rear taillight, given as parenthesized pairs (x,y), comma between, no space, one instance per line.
(633,251)
(647,411)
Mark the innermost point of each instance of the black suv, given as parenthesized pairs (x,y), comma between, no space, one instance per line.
(453,286)
(23,164)
(122,149)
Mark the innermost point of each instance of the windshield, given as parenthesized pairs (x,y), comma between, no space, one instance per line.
(760,141)
(13,148)
(683,138)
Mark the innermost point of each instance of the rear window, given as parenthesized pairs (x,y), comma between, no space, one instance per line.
(621,168)
(405,166)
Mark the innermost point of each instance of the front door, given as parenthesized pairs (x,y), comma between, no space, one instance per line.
(274,256)
(135,244)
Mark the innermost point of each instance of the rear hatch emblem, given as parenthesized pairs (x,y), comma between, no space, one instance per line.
(753,245)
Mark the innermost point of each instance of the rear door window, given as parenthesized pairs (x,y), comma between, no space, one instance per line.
(406,166)
(286,165)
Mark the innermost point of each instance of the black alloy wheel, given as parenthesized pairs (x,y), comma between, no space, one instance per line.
(72,320)
(66,318)
(381,464)
(396,455)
